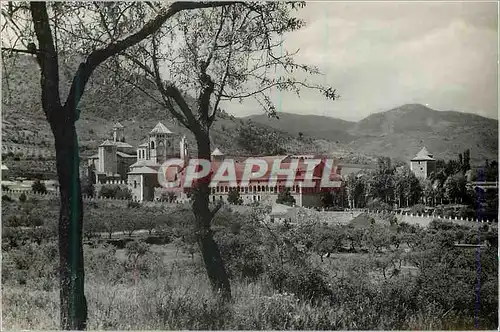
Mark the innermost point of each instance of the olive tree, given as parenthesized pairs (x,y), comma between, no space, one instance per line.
(92,33)
(214,55)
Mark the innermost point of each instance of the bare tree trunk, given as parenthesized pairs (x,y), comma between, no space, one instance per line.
(73,303)
(203,215)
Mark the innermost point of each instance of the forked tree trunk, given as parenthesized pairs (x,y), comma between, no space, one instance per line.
(203,217)
(73,303)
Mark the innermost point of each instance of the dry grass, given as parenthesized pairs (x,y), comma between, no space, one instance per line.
(180,298)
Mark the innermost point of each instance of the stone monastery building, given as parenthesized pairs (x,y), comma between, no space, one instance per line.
(117,162)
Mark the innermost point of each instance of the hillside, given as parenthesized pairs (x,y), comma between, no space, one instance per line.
(324,127)
(400,132)
(404,130)
(27,142)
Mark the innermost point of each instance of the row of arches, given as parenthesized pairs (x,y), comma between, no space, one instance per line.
(264,189)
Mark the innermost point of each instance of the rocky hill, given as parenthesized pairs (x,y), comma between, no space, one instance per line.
(27,142)
(401,132)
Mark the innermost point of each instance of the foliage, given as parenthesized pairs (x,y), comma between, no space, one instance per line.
(285,197)
(355,188)
(39,187)
(22,198)
(418,209)
(133,205)
(115,191)
(234,197)
(378,205)
(407,188)
(88,188)
(259,141)
(278,280)
(454,188)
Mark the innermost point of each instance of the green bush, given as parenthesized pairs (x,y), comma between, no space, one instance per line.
(285,197)
(377,205)
(418,209)
(305,282)
(133,205)
(115,191)
(39,187)
(240,252)
(16,221)
(22,198)
(234,197)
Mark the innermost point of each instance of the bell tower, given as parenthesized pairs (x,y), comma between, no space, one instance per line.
(118,133)
(160,143)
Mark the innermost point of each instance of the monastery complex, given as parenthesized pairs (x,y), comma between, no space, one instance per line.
(118,162)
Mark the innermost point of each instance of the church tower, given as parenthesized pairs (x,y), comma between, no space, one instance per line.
(423,164)
(107,158)
(184,150)
(217,155)
(161,143)
(118,133)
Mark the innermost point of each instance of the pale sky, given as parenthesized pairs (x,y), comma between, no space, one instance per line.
(380,55)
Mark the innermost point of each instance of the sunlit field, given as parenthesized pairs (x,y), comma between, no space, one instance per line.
(364,275)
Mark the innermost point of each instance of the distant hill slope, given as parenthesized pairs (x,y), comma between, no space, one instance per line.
(26,133)
(324,127)
(404,130)
(400,132)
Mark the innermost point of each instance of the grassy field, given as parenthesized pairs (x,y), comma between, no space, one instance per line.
(357,276)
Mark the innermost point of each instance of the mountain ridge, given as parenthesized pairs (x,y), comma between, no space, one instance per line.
(397,134)
(400,131)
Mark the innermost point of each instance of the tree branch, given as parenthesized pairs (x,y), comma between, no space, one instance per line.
(100,55)
(17,50)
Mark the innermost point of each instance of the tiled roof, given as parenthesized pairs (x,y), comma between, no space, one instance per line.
(125,155)
(107,143)
(143,170)
(217,152)
(300,174)
(122,145)
(160,128)
(423,155)
(146,163)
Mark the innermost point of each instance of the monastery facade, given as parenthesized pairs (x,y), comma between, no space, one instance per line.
(137,168)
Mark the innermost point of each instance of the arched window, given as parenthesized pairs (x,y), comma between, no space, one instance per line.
(152,144)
